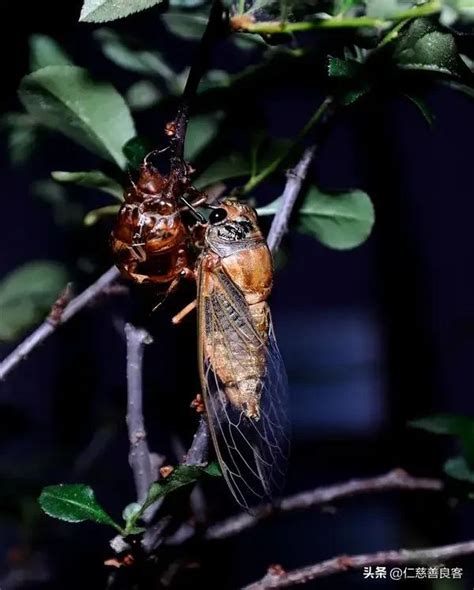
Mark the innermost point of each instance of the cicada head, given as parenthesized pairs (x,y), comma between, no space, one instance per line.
(232,224)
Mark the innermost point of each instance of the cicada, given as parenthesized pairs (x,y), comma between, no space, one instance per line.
(242,373)
(150,240)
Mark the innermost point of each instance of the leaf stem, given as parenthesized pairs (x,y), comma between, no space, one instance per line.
(278,27)
(322,111)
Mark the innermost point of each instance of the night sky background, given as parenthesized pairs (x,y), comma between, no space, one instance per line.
(371,338)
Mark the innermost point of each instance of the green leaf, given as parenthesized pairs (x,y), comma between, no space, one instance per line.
(97,214)
(183,475)
(65,210)
(340,221)
(92,113)
(343,68)
(45,51)
(74,503)
(233,165)
(136,149)
(91,179)
(27,294)
(99,11)
(458,468)
(143,95)
(423,47)
(22,134)
(128,57)
(444,424)
(202,129)
(186,26)
(131,510)
(423,107)
(385,9)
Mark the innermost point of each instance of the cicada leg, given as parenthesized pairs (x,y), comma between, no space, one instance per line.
(178,318)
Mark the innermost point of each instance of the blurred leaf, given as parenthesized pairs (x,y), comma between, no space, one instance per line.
(385,9)
(143,95)
(186,26)
(123,54)
(91,179)
(131,510)
(45,51)
(67,99)
(340,221)
(422,107)
(187,3)
(97,214)
(423,47)
(458,468)
(233,165)
(136,149)
(452,424)
(99,11)
(27,294)
(444,424)
(464,88)
(22,134)
(454,10)
(343,68)
(202,129)
(65,210)
(74,503)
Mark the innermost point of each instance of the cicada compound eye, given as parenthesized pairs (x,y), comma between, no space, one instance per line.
(217,216)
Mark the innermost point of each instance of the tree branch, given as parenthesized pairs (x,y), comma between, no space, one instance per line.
(139,455)
(281,220)
(397,479)
(51,324)
(278,578)
(199,449)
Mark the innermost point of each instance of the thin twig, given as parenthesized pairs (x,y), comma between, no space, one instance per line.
(139,456)
(199,449)
(278,578)
(397,479)
(281,220)
(48,327)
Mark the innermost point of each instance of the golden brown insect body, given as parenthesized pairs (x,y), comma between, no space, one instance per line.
(150,240)
(242,373)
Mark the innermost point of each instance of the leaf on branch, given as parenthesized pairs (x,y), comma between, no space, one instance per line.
(350,79)
(74,503)
(91,179)
(92,113)
(96,215)
(233,165)
(45,51)
(187,26)
(422,46)
(182,475)
(65,210)
(341,221)
(202,130)
(99,11)
(127,55)
(27,294)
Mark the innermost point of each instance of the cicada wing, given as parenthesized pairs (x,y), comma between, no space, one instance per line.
(252,450)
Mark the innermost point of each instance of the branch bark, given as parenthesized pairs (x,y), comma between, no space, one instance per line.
(50,325)
(397,479)
(278,578)
(139,455)
(293,185)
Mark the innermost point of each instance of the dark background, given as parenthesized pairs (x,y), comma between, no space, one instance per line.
(371,338)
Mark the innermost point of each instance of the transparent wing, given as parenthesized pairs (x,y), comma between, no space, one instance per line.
(252,451)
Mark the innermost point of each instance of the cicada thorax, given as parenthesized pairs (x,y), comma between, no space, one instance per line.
(150,240)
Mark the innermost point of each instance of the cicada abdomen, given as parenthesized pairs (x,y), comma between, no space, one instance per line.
(242,373)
